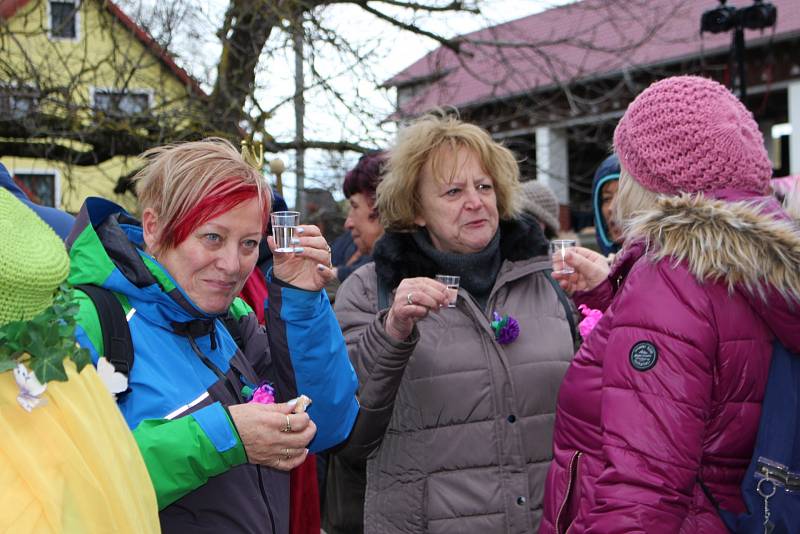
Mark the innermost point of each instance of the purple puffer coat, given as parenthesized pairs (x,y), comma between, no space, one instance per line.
(667,389)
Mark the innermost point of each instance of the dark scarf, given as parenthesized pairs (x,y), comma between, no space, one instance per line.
(398,256)
(478,271)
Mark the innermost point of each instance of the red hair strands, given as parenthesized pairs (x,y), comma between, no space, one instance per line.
(226,196)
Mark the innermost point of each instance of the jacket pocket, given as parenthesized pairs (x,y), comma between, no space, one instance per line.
(564,518)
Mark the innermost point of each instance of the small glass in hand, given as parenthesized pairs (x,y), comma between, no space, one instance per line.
(284,229)
(452,283)
(558,251)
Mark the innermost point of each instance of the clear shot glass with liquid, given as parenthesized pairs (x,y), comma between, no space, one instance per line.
(558,251)
(452,283)
(284,229)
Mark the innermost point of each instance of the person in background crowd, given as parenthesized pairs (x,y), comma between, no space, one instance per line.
(343,250)
(456,402)
(68,462)
(659,411)
(539,202)
(61,222)
(604,189)
(217,453)
(362,221)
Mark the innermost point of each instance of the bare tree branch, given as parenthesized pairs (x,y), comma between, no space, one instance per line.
(452,44)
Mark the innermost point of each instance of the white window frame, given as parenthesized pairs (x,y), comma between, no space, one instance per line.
(44,172)
(147,91)
(15,91)
(77,4)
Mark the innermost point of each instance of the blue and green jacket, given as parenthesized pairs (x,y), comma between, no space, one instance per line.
(187,369)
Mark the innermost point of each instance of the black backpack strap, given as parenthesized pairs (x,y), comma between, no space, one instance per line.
(384,294)
(117,343)
(567,308)
(232,326)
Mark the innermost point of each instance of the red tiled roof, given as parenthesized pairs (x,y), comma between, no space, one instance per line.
(9,7)
(580,40)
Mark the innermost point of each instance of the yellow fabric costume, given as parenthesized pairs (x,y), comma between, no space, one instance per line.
(70,465)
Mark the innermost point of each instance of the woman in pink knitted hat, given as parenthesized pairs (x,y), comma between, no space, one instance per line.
(667,390)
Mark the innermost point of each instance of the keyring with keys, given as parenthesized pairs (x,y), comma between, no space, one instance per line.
(766,487)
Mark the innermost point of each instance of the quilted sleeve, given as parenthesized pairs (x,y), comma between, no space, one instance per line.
(379,360)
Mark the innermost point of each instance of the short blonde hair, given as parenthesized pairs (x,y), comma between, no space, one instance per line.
(631,199)
(187,184)
(398,194)
(791,202)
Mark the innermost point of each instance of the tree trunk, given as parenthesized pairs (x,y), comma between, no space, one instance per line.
(248,25)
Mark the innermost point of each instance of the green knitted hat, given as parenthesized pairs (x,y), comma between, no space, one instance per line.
(33,261)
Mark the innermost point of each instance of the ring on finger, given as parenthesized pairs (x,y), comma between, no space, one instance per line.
(410,299)
(287,453)
(288,426)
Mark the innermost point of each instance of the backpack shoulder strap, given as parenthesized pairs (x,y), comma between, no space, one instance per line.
(562,297)
(117,343)
(232,326)
(384,293)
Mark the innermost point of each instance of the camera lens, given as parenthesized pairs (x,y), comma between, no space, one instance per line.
(718,20)
(759,16)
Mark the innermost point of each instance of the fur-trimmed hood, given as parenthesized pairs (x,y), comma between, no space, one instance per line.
(750,245)
(397,257)
(745,243)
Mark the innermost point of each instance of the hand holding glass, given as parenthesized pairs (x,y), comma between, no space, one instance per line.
(452,283)
(558,251)
(284,229)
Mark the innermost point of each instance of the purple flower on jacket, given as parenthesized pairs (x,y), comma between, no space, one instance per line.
(264,394)
(506,328)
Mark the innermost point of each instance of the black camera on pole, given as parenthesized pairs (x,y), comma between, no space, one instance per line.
(725,18)
(718,20)
(759,15)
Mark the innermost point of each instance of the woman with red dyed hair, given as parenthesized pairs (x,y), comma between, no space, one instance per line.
(211,395)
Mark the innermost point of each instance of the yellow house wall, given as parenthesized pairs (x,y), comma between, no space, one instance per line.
(106,56)
(74,183)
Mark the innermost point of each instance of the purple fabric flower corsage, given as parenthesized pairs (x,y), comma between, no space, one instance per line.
(264,394)
(506,328)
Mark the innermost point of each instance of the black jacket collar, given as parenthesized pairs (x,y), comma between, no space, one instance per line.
(397,256)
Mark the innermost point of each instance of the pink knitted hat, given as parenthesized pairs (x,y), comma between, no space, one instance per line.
(690,134)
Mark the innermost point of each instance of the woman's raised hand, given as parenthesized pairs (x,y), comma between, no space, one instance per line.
(591,268)
(309,267)
(413,300)
(272,434)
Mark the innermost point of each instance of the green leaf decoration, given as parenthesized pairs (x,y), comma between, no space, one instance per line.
(48,368)
(45,340)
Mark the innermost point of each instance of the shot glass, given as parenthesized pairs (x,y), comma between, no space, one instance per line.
(284,229)
(452,283)
(558,251)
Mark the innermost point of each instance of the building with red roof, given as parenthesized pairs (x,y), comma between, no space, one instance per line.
(552,85)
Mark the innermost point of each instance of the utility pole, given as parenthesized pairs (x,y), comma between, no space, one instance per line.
(299,111)
(725,18)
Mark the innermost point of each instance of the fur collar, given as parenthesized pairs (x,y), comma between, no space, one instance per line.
(744,243)
(396,255)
